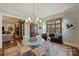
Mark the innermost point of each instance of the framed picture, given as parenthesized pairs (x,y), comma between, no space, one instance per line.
(33,30)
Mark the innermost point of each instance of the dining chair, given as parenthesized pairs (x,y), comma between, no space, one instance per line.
(39,51)
(22,49)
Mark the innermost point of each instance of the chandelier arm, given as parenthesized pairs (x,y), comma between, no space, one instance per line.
(38,10)
(33,10)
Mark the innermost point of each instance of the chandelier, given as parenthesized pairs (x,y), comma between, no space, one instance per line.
(34,20)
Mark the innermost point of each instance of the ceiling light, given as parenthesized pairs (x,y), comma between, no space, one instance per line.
(30,20)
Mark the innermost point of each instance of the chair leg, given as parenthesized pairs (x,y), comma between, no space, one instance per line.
(18,52)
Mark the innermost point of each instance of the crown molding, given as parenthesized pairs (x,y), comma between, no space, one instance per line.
(61,14)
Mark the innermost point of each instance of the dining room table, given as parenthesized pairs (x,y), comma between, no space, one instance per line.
(33,44)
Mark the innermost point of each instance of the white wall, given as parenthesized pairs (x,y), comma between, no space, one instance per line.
(44,26)
(71,36)
(27,30)
(0,31)
(78,27)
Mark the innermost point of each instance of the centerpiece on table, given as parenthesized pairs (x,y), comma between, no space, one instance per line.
(32,39)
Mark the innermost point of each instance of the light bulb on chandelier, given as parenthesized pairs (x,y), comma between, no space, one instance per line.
(30,20)
(26,20)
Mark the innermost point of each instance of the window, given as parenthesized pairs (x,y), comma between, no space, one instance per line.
(54,25)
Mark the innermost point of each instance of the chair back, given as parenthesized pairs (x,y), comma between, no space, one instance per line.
(51,35)
(44,36)
(42,50)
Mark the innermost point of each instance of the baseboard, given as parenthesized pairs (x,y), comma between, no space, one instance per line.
(72,44)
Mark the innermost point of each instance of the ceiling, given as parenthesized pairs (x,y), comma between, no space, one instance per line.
(42,10)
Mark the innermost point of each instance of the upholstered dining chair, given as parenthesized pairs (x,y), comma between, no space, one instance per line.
(44,36)
(40,50)
(22,49)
